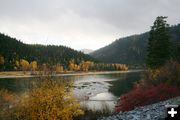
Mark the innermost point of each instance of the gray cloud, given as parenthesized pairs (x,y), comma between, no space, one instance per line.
(82,23)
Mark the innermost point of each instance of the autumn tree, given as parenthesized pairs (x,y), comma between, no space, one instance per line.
(76,67)
(158,45)
(33,65)
(121,67)
(85,65)
(48,100)
(59,68)
(73,66)
(24,64)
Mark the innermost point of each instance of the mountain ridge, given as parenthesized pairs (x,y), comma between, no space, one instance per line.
(131,50)
(12,49)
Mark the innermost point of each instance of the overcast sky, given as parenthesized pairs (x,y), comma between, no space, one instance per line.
(82,23)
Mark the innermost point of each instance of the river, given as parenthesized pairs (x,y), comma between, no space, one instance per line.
(93,90)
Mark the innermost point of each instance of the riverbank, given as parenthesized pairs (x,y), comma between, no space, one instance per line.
(27,74)
(155,111)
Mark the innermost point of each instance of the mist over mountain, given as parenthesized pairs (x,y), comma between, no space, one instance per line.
(86,51)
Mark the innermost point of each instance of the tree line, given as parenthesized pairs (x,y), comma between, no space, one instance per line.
(12,50)
(33,66)
(132,50)
(91,66)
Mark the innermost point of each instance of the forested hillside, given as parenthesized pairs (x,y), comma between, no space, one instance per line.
(132,50)
(12,50)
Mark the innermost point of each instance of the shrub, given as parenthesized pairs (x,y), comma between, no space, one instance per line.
(48,100)
(168,74)
(157,85)
(144,95)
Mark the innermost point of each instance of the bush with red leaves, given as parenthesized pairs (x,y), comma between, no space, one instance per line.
(144,95)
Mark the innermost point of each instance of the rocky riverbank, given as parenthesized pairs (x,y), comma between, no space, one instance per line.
(155,111)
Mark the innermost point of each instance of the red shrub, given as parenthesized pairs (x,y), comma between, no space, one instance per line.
(140,96)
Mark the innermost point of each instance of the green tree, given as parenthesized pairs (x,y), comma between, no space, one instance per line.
(158,51)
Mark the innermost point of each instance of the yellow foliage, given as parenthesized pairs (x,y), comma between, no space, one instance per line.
(24,64)
(89,65)
(33,65)
(59,68)
(154,73)
(86,65)
(73,66)
(48,101)
(120,67)
(168,74)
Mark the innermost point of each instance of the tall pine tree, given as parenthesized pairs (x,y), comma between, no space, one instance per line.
(159,45)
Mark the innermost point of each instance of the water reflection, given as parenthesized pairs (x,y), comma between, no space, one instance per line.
(92,90)
(107,96)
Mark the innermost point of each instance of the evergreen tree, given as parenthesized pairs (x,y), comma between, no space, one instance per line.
(158,51)
(51,55)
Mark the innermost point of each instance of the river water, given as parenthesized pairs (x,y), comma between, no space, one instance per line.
(93,91)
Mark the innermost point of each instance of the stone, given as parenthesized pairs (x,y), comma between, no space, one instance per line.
(149,112)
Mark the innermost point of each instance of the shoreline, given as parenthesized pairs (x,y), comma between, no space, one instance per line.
(20,74)
(154,111)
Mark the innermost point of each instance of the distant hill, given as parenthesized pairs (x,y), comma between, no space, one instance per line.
(13,50)
(86,51)
(132,50)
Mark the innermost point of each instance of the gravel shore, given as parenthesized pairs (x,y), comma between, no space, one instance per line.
(155,111)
